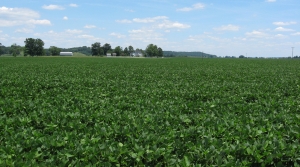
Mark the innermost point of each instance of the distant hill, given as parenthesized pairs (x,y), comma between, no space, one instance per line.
(78,54)
(188,54)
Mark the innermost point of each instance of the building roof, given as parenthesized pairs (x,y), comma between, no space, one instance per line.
(66,53)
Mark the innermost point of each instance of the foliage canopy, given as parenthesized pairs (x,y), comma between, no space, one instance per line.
(34,47)
(149,112)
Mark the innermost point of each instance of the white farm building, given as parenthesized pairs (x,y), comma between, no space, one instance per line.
(137,53)
(66,53)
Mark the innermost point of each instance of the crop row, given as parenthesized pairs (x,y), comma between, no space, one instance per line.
(149,112)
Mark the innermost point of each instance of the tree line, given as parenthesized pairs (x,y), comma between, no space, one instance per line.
(188,54)
(14,49)
(35,47)
(151,50)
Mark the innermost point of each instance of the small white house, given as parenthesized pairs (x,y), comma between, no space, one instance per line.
(66,53)
(108,54)
(136,53)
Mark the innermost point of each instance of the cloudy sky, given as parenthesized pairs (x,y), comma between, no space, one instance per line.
(267,28)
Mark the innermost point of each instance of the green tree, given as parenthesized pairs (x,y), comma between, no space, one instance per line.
(118,50)
(1,48)
(126,51)
(54,51)
(96,49)
(34,47)
(22,50)
(39,47)
(15,50)
(106,48)
(29,47)
(241,56)
(160,52)
(47,52)
(130,49)
(110,51)
(151,50)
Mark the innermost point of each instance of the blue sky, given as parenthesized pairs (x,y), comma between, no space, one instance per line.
(263,28)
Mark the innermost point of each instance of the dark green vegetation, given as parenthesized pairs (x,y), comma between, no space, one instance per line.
(54,51)
(84,50)
(152,112)
(188,54)
(34,47)
(154,51)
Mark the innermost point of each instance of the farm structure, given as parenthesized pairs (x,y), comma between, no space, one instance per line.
(111,54)
(66,53)
(136,53)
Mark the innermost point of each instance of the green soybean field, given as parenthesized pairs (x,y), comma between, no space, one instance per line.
(64,111)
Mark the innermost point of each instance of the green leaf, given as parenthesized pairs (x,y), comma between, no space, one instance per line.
(69,155)
(249,151)
(186,160)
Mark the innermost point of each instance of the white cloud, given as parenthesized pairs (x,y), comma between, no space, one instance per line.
(3,37)
(124,21)
(88,37)
(196,6)
(66,39)
(40,22)
(280,36)
(228,27)
(85,36)
(150,19)
(74,31)
(20,16)
(53,7)
(89,26)
(145,35)
(284,23)
(271,0)
(144,20)
(137,31)
(256,43)
(24,30)
(168,25)
(191,38)
(283,29)
(160,22)
(297,33)
(65,18)
(117,35)
(267,46)
(14,13)
(256,34)
(73,5)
